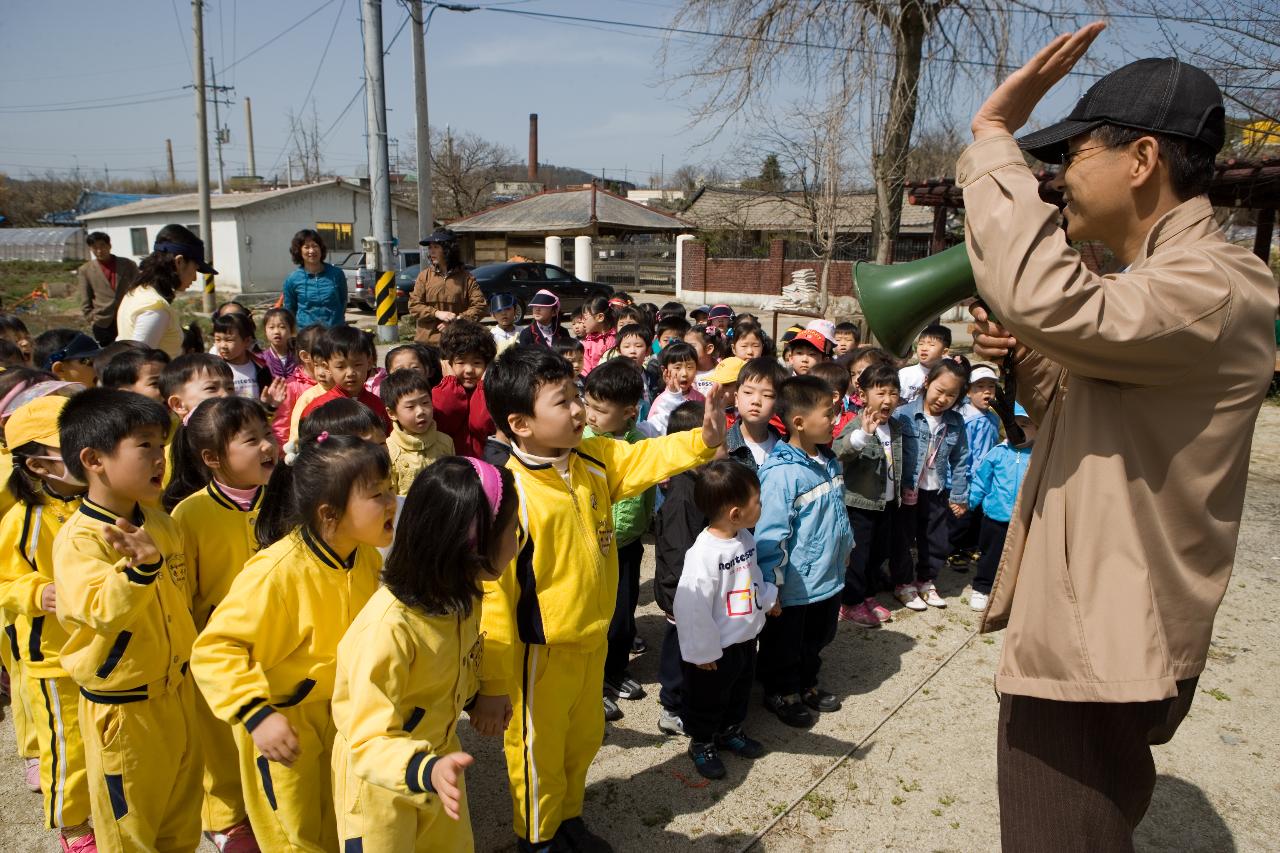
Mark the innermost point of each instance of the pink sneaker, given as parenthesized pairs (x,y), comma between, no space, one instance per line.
(858,614)
(879,610)
(32,772)
(80,844)
(237,839)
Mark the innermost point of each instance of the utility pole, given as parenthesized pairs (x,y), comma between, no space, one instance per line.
(248,126)
(168,147)
(221,134)
(380,253)
(202,148)
(426,216)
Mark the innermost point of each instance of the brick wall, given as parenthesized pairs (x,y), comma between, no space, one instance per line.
(756,277)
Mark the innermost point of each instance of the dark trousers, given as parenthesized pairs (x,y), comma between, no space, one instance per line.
(105,335)
(622,628)
(878,535)
(791,645)
(715,700)
(670,674)
(931,529)
(991,543)
(966,532)
(1078,776)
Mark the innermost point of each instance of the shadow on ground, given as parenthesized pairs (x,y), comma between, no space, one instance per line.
(1182,818)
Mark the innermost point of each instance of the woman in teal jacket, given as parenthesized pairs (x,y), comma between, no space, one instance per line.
(316,292)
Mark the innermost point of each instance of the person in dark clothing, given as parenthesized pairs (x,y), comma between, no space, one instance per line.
(676,526)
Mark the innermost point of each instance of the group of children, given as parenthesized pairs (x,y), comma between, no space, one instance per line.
(250,591)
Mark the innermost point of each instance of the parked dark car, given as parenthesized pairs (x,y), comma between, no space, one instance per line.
(522,280)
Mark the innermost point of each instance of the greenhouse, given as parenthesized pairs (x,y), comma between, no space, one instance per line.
(43,244)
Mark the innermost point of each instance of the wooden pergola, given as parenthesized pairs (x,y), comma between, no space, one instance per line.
(1248,184)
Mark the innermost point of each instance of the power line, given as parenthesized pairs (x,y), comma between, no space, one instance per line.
(277,36)
(38,109)
(314,78)
(360,91)
(782,42)
(182,33)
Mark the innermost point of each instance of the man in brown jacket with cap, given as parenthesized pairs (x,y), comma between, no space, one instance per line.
(100,283)
(444,290)
(1145,385)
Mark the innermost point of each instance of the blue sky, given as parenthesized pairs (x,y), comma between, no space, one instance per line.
(598,92)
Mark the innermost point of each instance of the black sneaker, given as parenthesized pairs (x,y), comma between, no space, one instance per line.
(639,646)
(790,710)
(555,845)
(612,713)
(820,700)
(575,832)
(624,688)
(737,742)
(706,759)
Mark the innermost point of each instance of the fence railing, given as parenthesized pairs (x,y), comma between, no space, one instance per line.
(631,266)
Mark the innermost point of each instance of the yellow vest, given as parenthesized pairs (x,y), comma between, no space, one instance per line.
(146,298)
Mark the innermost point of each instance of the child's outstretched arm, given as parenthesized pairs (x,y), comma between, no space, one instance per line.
(102,585)
(383,751)
(632,468)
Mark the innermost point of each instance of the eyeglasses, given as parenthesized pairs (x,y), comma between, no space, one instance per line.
(1069,157)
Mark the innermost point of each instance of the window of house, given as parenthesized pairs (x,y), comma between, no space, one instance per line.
(337,236)
(138,237)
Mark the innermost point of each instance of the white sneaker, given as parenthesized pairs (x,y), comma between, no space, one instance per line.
(978,601)
(910,597)
(929,593)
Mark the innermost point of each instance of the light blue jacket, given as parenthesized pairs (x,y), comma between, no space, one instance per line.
(951,460)
(803,537)
(997,480)
(982,429)
(319,298)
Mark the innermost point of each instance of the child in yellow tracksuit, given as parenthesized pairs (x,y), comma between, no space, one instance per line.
(122,597)
(265,660)
(46,498)
(222,456)
(546,621)
(410,663)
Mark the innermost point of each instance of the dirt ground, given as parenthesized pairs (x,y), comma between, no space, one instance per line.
(914,743)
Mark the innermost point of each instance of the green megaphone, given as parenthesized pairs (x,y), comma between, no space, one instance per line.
(901,299)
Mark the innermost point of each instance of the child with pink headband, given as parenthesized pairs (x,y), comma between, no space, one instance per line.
(409,664)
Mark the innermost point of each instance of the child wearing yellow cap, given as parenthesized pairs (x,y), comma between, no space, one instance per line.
(45,498)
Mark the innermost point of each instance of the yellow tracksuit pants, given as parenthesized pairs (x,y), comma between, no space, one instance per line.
(223,805)
(555,732)
(385,821)
(56,721)
(291,808)
(143,762)
(19,700)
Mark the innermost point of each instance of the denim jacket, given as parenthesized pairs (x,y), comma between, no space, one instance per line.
(736,445)
(952,458)
(865,468)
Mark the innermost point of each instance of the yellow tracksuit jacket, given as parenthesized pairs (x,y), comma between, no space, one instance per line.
(270,646)
(129,641)
(220,540)
(560,593)
(411,453)
(403,678)
(26,570)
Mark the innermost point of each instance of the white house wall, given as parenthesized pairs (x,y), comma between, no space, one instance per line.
(251,244)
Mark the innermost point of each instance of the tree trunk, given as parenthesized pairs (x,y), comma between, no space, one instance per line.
(890,162)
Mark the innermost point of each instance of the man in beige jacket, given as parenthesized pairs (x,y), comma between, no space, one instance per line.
(100,283)
(1145,385)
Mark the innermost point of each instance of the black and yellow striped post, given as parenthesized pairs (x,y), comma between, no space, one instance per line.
(385,297)
(209,300)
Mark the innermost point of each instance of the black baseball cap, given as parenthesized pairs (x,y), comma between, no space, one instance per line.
(1165,96)
(440,235)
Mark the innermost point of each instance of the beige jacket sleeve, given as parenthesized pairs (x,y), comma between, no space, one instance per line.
(1142,327)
